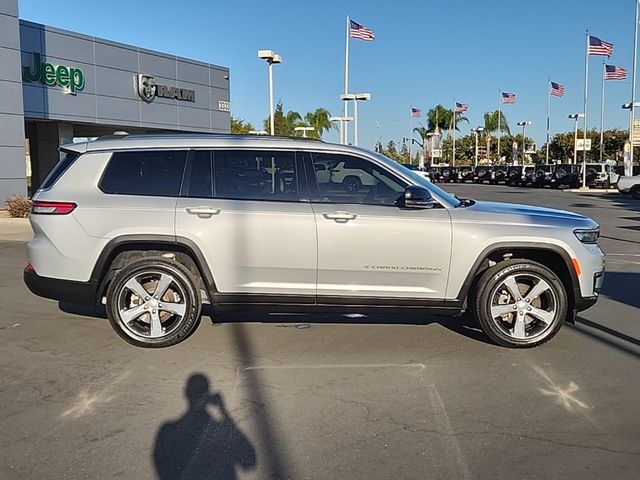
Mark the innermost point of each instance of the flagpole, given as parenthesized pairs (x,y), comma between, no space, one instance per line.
(499,118)
(410,132)
(628,169)
(602,113)
(548,110)
(453,162)
(586,91)
(343,123)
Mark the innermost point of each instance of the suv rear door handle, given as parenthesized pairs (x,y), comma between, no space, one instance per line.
(204,211)
(340,217)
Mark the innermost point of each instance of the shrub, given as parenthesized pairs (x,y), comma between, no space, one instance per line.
(18,206)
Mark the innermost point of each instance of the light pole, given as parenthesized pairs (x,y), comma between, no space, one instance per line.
(356,97)
(342,121)
(627,106)
(477,131)
(271,57)
(523,125)
(576,116)
(304,130)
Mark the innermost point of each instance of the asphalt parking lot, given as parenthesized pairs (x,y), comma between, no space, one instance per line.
(403,397)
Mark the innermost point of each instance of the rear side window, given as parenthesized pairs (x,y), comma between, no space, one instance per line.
(155,173)
(61,167)
(252,175)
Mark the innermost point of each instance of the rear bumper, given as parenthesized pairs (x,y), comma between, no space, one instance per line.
(68,291)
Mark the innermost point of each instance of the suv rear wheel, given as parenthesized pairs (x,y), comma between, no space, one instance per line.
(520,303)
(153,303)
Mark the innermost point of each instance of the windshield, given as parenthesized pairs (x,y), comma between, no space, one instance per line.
(419,180)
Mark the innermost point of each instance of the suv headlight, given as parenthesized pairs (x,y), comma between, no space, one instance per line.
(587,235)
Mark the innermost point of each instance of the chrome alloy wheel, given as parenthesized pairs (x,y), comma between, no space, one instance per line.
(524,306)
(151,304)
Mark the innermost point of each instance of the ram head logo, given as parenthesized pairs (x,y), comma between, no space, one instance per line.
(146,87)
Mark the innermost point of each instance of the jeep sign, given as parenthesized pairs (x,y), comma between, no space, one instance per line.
(148,90)
(48,74)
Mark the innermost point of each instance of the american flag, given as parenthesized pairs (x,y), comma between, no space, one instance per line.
(508,97)
(415,112)
(612,72)
(599,47)
(556,89)
(361,32)
(462,107)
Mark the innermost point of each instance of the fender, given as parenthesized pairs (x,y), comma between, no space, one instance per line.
(125,242)
(575,298)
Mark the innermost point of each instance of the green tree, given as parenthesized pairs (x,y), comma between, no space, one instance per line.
(494,122)
(283,124)
(240,127)
(319,120)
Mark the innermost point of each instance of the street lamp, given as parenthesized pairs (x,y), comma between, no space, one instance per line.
(356,97)
(477,131)
(576,116)
(342,121)
(523,125)
(271,57)
(304,130)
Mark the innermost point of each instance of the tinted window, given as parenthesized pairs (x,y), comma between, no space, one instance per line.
(255,175)
(157,173)
(199,181)
(355,180)
(61,167)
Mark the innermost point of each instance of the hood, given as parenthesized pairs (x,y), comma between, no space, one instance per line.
(530,214)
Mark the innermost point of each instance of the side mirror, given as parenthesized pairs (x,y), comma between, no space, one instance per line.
(418,197)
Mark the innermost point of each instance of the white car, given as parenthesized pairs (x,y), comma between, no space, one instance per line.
(630,186)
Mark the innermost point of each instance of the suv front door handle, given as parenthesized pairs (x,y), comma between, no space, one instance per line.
(340,217)
(203,211)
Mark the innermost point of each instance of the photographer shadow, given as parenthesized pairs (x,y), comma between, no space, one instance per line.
(201,445)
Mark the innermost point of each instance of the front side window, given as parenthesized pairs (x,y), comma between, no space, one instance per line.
(346,179)
(255,175)
(154,173)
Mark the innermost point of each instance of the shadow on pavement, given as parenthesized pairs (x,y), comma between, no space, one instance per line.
(199,445)
(622,287)
(608,336)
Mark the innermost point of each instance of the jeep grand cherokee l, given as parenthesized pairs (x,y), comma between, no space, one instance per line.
(155,226)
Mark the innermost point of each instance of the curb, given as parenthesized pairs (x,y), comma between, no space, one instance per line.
(593,191)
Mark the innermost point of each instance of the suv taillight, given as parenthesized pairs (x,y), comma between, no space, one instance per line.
(52,208)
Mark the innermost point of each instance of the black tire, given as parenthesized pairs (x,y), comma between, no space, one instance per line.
(592,174)
(635,192)
(351,184)
(606,184)
(181,293)
(524,272)
(560,173)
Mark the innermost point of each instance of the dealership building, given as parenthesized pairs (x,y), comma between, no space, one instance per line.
(57,86)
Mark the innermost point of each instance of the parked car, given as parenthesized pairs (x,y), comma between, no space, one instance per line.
(543,176)
(605,174)
(351,179)
(514,175)
(152,227)
(483,174)
(449,174)
(565,175)
(500,174)
(465,174)
(630,186)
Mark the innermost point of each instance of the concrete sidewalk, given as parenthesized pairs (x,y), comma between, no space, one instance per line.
(14,229)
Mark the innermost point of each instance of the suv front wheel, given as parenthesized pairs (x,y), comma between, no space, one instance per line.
(153,303)
(520,303)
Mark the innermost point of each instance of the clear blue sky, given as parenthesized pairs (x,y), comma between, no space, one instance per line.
(426,52)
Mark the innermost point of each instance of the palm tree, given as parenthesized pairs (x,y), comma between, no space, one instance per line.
(491,122)
(319,120)
(439,118)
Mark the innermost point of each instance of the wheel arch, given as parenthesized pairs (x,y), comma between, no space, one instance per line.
(551,256)
(120,250)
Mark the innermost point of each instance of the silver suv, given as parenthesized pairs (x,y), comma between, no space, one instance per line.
(155,226)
